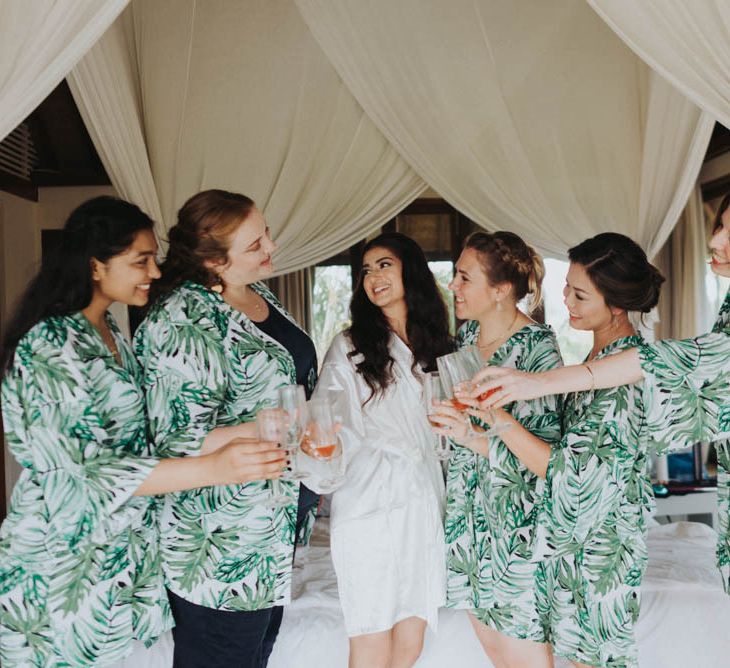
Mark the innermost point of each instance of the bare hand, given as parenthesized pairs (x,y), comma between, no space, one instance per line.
(447,421)
(247,459)
(495,387)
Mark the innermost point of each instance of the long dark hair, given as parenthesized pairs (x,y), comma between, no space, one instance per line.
(427,324)
(100,228)
(717,222)
(201,234)
(620,270)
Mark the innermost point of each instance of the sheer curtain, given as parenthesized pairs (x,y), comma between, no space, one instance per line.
(183,95)
(105,86)
(530,116)
(683,307)
(688,43)
(294,290)
(41,41)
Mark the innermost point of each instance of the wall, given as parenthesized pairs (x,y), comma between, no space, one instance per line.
(21,222)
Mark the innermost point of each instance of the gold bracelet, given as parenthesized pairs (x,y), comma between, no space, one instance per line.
(587,367)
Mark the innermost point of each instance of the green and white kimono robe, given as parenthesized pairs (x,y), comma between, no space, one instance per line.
(491,504)
(688,391)
(80,574)
(591,524)
(207,365)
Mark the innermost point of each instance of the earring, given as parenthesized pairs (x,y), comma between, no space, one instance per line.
(217,287)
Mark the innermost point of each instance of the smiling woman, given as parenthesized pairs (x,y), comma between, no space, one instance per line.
(386,519)
(216,347)
(81,533)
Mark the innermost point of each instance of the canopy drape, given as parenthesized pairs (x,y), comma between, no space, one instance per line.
(688,43)
(238,95)
(527,116)
(41,41)
(683,308)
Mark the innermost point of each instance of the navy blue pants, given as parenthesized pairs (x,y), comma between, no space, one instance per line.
(208,638)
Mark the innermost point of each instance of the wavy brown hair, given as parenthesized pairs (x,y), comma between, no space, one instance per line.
(202,234)
(427,324)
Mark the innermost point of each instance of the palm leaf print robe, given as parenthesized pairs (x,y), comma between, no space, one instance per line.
(80,575)
(207,365)
(491,504)
(690,394)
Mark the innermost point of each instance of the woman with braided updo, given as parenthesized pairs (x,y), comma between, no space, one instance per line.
(590,528)
(491,495)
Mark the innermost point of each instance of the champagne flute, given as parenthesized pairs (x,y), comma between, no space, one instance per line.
(457,369)
(322,444)
(433,393)
(272,426)
(293,401)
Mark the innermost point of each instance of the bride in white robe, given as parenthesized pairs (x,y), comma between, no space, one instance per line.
(387,517)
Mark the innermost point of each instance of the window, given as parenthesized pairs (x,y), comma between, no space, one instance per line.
(332,292)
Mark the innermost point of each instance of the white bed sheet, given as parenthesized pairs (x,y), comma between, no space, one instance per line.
(685,615)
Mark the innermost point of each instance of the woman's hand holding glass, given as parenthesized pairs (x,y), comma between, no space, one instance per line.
(273,425)
(322,445)
(433,398)
(293,401)
(459,370)
(495,387)
(244,460)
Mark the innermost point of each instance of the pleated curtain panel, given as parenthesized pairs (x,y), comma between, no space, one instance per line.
(40,41)
(683,308)
(688,43)
(333,116)
(183,95)
(530,116)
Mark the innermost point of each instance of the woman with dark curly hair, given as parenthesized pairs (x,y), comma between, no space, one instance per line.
(387,533)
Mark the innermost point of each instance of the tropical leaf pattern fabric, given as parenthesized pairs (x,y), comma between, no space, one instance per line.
(722,326)
(688,387)
(591,531)
(80,574)
(491,504)
(207,365)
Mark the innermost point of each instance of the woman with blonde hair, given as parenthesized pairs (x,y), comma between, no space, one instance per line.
(491,495)
(591,528)
(686,385)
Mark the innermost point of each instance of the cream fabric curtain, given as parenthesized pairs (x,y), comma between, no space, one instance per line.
(294,290)
(105,86)
(238,95)
(688,43)
(683,307)
(41,40)
(529,116)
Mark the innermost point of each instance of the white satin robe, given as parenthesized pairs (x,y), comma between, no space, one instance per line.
(387,534)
